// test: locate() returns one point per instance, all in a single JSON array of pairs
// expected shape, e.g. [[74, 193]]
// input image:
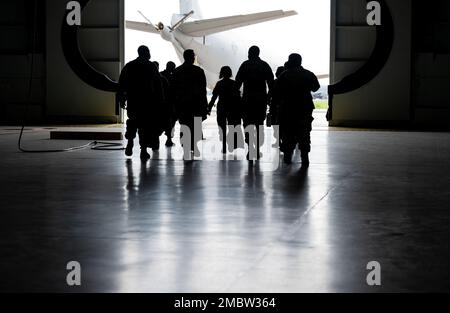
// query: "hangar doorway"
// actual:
[[307, 33], [332, 36]]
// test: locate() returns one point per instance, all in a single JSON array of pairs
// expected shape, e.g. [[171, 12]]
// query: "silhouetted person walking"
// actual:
[[168, 75], [167, 107], [296, 107], [257, 78], [228, 110], [274, 107], [190, 97], [140, 87]]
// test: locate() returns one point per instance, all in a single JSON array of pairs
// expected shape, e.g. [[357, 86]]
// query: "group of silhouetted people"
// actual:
[[156, 101]]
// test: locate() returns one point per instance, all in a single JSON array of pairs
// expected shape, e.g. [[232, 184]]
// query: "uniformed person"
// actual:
[[228, 110], [168, 74], [166, 106], [296, 108], [140, 91], [189, 86], [274, 107], [257, 78]]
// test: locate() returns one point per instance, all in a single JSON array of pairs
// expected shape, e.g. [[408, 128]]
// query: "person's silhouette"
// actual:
[[140, 92], [168, 74], [228, 109], [189, 83], [167, 108], [257, 78], [296, 107], [274, 107]]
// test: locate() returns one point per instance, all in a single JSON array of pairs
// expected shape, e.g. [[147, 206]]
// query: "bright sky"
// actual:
[[307, 33]]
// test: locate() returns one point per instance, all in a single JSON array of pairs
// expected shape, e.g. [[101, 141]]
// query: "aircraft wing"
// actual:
[[143, 27], [207, 27]]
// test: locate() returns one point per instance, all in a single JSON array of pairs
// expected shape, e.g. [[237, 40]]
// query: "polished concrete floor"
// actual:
[[228, 226]]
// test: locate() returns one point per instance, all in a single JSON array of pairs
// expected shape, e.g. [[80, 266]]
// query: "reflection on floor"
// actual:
[[228, 226]]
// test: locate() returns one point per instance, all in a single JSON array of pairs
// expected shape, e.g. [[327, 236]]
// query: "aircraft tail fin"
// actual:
[[187, 6], [207, 27]]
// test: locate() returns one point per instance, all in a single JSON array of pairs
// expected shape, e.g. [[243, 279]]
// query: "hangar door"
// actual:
[[367, 59], [431, 62], [82, 57]]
